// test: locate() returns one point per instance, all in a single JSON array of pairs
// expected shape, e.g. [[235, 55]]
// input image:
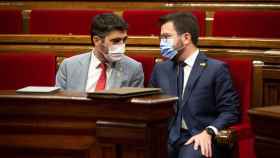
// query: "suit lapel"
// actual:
[[198, 67], [83, 71], [172, 75], [116, 75]]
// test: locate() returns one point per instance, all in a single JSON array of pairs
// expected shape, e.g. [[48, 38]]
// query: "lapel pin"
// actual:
[[203, 64]]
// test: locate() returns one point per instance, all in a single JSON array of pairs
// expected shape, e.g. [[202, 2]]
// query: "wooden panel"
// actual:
[[107, 151], [271, 85], [257, 91], [70, 125], [266, 147], [41, 153], [266, 85], [265, 123], [131, 152], [271, 92]]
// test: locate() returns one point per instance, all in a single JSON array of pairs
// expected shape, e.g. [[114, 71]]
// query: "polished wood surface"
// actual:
[[261, 43], [271, 111], [265, 123], [67, 45], [68, 124]]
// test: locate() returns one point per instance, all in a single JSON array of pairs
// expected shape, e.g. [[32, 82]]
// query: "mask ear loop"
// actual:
[[100, 55], [183, 46]]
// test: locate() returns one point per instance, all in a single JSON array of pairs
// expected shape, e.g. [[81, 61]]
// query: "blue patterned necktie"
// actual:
[[174, 134]]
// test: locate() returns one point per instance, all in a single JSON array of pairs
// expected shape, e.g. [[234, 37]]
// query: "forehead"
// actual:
[[116, 34], [168, 28]]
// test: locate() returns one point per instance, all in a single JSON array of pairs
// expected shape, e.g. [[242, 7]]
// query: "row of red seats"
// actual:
[[261, 24], [11, 21], [19, 70], [39, 69]]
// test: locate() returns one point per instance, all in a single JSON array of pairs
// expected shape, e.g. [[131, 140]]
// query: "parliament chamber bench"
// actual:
[[71, 125], [263, 51], [254, 82], [265, 123], [242, 131]]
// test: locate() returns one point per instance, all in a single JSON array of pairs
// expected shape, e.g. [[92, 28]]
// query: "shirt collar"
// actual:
[[94, 60], [191, 59]]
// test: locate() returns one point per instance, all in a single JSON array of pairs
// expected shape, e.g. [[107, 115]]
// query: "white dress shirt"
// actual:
[[187, 70], [94, 73]]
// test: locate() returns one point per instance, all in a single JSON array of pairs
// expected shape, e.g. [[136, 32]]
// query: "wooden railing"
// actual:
[[65, 45], [266, 87]]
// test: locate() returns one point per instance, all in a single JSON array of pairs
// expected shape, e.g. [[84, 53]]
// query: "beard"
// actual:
[[179, 48]]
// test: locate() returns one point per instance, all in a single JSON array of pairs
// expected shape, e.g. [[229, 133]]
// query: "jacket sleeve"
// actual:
[[61, 76], [227, 99], [138, 77], [153, 79]]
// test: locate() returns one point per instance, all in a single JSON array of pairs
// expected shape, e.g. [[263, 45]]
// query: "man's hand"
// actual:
[[203, 140]]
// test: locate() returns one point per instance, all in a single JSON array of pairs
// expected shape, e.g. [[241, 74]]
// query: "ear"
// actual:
[[95, 40], [187, 38]]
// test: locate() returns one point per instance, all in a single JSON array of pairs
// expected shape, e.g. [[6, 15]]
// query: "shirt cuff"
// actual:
[[214, 129]]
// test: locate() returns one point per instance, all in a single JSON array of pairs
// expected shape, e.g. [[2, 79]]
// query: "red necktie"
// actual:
[[101, 82]]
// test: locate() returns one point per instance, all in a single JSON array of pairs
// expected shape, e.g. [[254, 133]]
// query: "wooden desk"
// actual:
[[265, 123], [70, 125]]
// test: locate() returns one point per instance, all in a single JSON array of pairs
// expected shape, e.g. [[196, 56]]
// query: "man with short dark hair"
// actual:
[[106, 66], [207, 101]]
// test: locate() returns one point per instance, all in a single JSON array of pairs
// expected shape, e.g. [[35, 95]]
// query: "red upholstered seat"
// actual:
[[262, 24], [11, 22], [47, 21], [148, 63], [145, 22], [241, 72], [31, 69]]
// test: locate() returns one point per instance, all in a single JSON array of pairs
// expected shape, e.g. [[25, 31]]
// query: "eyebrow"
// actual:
[[119, 39], [165, 35]]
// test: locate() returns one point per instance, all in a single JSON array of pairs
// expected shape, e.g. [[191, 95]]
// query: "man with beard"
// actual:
[[207, 101], [106, 66]]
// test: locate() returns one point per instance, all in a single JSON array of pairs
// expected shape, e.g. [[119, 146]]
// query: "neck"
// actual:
[[187, 52], [99, 56]]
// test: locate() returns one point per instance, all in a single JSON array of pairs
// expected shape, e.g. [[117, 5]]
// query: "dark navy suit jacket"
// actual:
[[209, 97]]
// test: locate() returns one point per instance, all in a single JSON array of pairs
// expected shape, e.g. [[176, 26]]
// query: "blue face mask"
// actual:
[[166, 48]]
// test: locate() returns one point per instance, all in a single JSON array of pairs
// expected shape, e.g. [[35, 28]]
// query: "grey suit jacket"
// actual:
[[73, 73]]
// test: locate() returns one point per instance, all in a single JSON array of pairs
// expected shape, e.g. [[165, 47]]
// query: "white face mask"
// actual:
[[115, 52]]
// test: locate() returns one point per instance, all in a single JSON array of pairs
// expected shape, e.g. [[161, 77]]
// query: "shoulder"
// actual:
[[211, 66], [204, 60], [164, 65], [216, 63], [208, 62], [217, 67], [77, 58], [127, 61]]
